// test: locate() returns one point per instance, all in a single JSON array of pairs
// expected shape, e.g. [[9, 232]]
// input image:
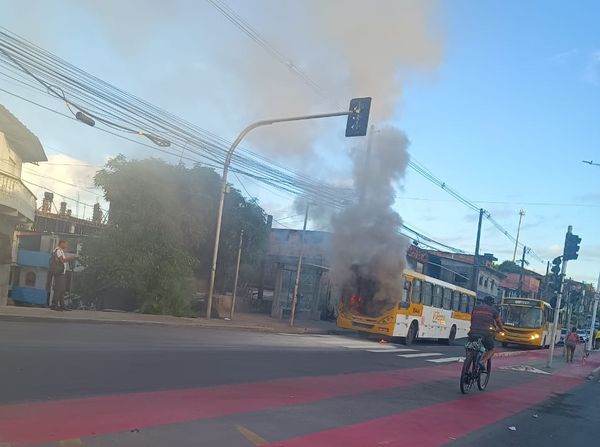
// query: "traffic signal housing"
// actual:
[[556, 276], [358, 119], [571, 250]]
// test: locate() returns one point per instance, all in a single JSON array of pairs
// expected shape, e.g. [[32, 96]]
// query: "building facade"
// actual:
[[33, 249], [317, 298], [18, 145], [527, 285], [459, 269]]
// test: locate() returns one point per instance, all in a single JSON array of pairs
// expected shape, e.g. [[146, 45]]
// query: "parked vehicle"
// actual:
[[583, 336], [563, 335]]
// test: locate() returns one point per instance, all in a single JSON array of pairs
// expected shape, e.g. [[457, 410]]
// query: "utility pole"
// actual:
[[237, 275], [521, 214], [299, 268], [263, 261], [521, 272], [563, 272], [591, 340], [365, 177], [476, 257], [358, 116], [546, 282]]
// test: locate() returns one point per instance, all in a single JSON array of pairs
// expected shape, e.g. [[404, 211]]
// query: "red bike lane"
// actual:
[[45, 422]]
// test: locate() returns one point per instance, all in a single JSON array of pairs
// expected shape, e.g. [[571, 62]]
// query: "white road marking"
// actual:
[[525, 368], [422, 354], [392, 350], [447, 360], [374, 347]]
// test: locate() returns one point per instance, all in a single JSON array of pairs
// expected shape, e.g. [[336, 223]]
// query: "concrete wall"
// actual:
[[10, 161], [6, 250]]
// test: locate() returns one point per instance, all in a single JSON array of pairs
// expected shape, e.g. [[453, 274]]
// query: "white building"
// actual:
[[17, 203]]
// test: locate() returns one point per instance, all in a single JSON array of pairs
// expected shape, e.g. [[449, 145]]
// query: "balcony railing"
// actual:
[[15, 196]]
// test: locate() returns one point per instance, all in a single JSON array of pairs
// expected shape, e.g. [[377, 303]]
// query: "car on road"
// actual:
[[563, 335], [583, 336]]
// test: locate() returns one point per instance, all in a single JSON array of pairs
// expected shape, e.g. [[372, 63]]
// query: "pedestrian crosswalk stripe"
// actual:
[[372, 346], [422, 354], [447, 360], [392, 350]]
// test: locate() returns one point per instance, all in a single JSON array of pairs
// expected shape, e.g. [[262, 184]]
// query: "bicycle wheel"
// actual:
[[484, 378], [466, 375]]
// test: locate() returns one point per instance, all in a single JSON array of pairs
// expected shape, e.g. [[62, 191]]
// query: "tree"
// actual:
[[509, 267], [161, 232]]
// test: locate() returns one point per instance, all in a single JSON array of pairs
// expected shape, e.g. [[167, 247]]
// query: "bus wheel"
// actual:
[[452, 336], [411, 334], [504, 344]]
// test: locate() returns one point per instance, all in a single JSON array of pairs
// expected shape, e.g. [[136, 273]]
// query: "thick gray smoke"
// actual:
[[367, 244]]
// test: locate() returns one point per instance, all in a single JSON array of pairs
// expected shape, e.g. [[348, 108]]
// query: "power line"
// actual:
[[499, 202], [230, 14], [443, 185], [62, 195], [238, 21], [103, 100], [83, 188]]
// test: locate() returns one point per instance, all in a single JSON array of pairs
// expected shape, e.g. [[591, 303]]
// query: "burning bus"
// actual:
[[425, 308]]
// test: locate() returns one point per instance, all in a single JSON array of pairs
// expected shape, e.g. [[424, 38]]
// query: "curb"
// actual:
[[263, 329], [593, 373]]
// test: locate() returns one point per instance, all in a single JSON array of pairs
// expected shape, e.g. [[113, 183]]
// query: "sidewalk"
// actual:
[[252, 322], [535, 362]]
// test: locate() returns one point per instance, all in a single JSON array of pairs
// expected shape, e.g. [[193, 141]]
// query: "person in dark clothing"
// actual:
[[484, 319], [58, 270]]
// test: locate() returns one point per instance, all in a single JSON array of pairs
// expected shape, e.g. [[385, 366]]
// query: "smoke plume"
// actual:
[[367, 244]]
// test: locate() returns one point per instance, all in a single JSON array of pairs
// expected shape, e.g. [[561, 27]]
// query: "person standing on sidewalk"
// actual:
[[571, 343], [58, 269]]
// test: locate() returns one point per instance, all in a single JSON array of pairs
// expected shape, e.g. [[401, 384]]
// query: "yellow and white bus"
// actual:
[[428, 308], [527, 322]]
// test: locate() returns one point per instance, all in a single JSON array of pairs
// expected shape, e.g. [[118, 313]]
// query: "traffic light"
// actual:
[[571, 250], [556, 276], [358, 120]]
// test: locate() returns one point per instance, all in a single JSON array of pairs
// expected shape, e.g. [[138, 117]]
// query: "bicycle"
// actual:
[[471, 372]]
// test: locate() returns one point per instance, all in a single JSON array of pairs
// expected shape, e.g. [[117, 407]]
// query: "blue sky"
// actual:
[[505, 114], [508, 117]]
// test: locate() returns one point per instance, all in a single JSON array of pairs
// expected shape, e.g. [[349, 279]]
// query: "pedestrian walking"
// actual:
[[58, 273], [571, 343]]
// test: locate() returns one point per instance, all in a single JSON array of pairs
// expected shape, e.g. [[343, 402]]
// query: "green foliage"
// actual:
[[161, 232], [509, 267]]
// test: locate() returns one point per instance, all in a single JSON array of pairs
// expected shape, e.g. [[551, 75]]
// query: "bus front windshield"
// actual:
[[521, 316]]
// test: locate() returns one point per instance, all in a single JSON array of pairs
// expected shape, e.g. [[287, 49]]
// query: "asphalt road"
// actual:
[[137, 385]]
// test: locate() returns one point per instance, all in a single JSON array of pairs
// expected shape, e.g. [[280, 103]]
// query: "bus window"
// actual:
[[437, 296], [447, 302], [471, 304], [464, 303], [405, 296], [427, 293], [455, 301], [416, 292]]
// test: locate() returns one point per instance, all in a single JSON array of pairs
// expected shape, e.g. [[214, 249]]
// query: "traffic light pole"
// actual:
[[238, 140], [563, 272]]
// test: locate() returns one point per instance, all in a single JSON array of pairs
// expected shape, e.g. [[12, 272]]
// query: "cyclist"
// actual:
[[484, 319]]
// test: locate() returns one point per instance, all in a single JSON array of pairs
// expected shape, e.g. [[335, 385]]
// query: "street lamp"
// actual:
[[356, 126]]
